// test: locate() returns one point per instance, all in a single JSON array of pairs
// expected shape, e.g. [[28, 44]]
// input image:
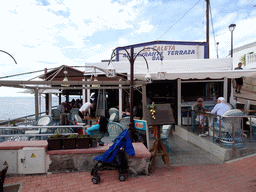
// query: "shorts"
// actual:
[[239, 81]]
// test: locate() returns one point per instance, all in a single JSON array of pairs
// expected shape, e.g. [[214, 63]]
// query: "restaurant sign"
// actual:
[[166, 51]]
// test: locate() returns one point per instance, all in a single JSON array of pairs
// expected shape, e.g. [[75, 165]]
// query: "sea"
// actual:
[[15, 107]]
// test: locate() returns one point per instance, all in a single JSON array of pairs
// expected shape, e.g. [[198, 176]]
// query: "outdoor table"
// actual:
[[89, 119]]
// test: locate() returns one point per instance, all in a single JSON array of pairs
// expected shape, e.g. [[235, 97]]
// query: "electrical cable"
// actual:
[[179, 20]]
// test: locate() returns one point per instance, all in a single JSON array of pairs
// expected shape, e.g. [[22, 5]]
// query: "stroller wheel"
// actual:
[[95, 180], [98, 177], [121, 177]]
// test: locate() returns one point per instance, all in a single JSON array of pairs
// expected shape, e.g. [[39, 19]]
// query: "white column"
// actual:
[[225, 88], [50, 104], [88, 94], [179, 100], [83, 91]]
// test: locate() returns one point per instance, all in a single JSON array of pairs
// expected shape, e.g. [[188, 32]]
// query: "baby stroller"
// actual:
[[114, 157]]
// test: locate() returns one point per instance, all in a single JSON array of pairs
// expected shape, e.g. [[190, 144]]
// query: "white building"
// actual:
[[250, 51]]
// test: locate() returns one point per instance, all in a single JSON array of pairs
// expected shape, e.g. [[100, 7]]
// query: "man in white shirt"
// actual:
[[220, 108], [84, 110]]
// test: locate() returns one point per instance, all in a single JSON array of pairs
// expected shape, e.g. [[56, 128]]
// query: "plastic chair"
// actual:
[[74, 111], [56, 115], [114, 130], [193, 117], [114, 111], [125, 122], [64, 130], [41, 121], [165, 133], [112, 117], [76, 117], [253, 121], [231, 106], [226, 129]]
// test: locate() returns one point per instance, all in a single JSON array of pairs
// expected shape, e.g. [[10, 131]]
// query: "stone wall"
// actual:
[[63, 161], [85, 162], [249, 84], [71, 162]]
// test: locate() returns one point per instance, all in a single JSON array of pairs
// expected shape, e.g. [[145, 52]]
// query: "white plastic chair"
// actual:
[[165, 133]]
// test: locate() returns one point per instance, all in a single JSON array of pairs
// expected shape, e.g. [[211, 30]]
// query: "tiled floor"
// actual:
[[229, 177], [185, 153]]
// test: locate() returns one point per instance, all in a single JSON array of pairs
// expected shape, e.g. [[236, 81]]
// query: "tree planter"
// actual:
[[69, 143], [83, 142], [54, 143]]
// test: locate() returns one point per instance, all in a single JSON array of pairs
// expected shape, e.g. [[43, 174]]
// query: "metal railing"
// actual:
[[24, 119], [227, 126], [18, 133], [236, 97]]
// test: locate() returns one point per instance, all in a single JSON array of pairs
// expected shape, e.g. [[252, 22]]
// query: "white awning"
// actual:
[[183, 69], [203, 74]]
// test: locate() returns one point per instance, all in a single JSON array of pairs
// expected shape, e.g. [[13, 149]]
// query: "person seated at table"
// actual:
[[67, 107], [200, 108], [220, 108], [61, 107], [126, 113], [84, 110], [101, 125]]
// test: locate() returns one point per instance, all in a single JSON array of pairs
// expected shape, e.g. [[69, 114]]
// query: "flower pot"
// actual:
[[68, 143], [83, 142], [54, 143]]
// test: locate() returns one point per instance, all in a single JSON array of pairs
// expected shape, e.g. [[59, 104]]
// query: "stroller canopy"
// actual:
[[122, 141]]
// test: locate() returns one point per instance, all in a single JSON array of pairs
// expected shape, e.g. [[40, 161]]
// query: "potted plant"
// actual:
[[83, 141], [69, 142], [55, 142], [94, 140]]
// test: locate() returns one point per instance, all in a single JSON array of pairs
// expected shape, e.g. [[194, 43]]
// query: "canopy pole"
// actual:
[[144, 101], [36, 103], [225, 88], [179, 101]]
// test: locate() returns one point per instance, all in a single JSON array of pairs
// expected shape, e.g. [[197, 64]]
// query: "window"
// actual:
[[209, 91]]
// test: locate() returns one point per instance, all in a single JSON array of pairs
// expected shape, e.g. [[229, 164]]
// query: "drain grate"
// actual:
[[12, 187]]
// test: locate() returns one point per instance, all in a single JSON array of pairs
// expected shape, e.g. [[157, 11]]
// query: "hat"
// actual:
[[222, 99]]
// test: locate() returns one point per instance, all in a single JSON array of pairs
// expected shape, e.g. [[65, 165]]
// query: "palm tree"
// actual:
[[243, 60]]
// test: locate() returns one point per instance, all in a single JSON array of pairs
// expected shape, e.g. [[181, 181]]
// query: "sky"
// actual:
[[48, 33]]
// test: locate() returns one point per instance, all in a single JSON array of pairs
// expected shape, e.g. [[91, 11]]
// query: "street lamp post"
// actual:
[[217, 44], [9, 55], [231, 29], [110, 72]]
